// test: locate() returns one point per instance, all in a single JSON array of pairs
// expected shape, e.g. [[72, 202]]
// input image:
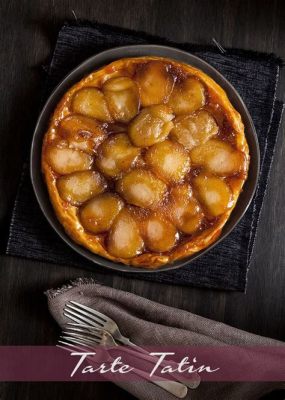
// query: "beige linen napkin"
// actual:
[[150, 323]]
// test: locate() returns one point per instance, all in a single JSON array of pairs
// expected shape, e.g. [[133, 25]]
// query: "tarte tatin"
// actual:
[[144, 160]]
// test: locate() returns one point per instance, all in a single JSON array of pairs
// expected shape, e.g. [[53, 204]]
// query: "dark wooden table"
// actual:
[[28, 31]]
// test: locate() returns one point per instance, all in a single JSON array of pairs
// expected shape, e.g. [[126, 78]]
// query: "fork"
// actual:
[[83, 338], [80, 313]]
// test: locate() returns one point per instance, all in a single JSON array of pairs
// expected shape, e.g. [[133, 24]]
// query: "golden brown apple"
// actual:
[[124, 239], [65, 161], [169, 160], [159, 234], [78, 187], [155, 83], [213, 193], [184, 209], [141, 188], [194, 129], [218, 157], [82, 133], [99, 213], [187, 96], [116, 155], [122, 98], [90, 101], [151, 126]]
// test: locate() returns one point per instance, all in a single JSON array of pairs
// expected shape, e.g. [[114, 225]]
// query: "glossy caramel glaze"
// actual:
[[144, 161]]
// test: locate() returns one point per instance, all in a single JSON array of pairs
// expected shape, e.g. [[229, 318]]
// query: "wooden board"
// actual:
[[28, 32]]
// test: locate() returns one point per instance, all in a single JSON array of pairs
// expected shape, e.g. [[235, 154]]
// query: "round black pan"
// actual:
[[107, 57]]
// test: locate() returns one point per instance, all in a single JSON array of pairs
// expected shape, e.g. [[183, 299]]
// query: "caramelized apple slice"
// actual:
[[213, 193], [169, 160], [122, 97], [82, 132], [195, 129], [184, 209], [155, 83], [218, 156], [79, 187], [159, 234], [187, 96], [116, 154], [124, 239], [99, 213], [91, 102], [141, 188], [65, 161], [151, 126]]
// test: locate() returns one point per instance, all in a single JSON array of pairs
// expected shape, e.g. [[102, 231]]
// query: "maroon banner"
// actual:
[[215, 363]]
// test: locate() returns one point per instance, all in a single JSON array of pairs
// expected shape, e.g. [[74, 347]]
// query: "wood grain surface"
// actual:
[[28, 31]]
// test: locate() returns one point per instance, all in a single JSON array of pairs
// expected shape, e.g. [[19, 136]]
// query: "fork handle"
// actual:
[[177, 389], [193, 384]]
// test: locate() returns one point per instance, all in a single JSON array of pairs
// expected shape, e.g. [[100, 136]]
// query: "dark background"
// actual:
[[28, 30]]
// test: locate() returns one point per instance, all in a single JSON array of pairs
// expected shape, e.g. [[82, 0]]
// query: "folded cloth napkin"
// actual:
[[254, 75], [137, 317]]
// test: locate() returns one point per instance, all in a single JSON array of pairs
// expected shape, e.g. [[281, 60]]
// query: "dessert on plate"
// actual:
[[144, 160]]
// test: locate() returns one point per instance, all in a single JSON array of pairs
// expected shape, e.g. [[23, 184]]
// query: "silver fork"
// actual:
[[82, 314], [81, 337]]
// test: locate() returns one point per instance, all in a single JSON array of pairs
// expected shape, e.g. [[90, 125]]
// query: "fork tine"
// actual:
[[83, 335], [79, 318], [80, 325], [92, 311], [87, 332], [79, 311], [81, 342], [71, 317], [87, 328], [84, 341], [69, 345], [65, 346]]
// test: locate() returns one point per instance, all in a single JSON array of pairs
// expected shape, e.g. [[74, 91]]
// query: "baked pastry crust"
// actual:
[[231, 132]]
